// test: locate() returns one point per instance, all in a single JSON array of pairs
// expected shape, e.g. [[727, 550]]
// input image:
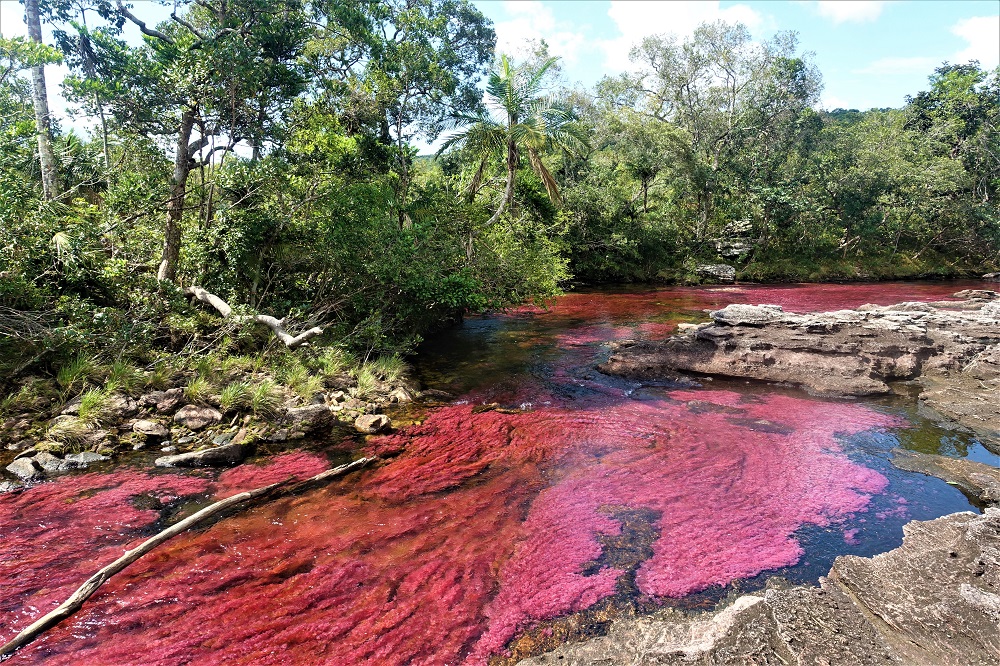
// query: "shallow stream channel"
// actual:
[[527, 500]]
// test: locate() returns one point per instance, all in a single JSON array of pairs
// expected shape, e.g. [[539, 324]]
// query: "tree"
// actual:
[[732, 95], [43, 120], [215, 75], [404, 65], [519, 119]]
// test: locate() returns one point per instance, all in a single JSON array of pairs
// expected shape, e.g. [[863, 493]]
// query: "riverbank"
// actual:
[[214, 411]]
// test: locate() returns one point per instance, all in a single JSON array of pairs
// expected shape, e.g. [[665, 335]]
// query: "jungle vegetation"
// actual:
[[265, 150]]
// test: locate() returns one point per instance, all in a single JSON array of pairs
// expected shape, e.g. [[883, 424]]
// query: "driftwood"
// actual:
[[276, 325], [84, 592]]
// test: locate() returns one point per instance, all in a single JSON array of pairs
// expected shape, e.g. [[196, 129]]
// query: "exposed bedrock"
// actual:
[[952, 349], [933, 600]]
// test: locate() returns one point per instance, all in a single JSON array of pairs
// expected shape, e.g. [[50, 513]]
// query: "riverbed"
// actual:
[[537, 503]]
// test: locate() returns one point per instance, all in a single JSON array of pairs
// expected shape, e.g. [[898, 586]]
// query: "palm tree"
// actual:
[[517, 118]]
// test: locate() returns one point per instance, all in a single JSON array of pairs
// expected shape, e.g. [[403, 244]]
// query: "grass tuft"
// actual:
[[265, 398], [235, 396]]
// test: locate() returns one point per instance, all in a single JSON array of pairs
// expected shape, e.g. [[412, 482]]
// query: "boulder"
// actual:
[[220, 456], [81, 460], [309, 417], [992, 277], [120, 407], [723, 273], [50, 463], [26, 469], [371, 424], [747, 315], [164, 402], [400, 395], [196, 417], [976, 294], [9, 487], [151, 429]]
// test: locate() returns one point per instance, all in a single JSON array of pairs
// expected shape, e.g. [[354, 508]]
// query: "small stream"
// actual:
[[539, 503]]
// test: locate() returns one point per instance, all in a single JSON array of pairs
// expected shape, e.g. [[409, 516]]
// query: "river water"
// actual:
[[538, 503]]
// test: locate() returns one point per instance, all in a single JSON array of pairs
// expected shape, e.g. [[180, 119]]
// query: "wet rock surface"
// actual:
[[952, 349], [979, 482], [933, 600], [219, 456]]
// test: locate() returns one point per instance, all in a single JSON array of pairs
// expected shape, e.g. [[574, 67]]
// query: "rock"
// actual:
[[187, 439], [165, 402], [196, 417], [72, 408], [224, 438], [280, 435], [85, 459], [9, 487], [120, 407], [355, 404], [976, 294], [723, 273], [220, 456], [25, 469], [954, 354], [168, 449], [400, 395], [747, 315], [980, 482], [992, 277], [337, 396], [50, 463], [308, 418], [372, 423], [151, 429], [933, 600]]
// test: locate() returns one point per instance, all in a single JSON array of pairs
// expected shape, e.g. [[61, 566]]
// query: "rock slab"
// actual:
[[219, 456], [933, 600]]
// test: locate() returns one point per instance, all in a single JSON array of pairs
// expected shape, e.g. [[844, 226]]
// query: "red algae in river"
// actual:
[[481, 526], [54, 535]]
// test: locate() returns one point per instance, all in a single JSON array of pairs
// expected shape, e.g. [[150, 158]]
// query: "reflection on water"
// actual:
[[489, 533]]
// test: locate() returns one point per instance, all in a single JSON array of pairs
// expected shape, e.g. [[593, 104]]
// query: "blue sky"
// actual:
[[871, 54]]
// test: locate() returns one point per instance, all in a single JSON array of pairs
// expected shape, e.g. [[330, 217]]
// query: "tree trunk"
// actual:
[[175, 208], [508, 194], [43, 123]]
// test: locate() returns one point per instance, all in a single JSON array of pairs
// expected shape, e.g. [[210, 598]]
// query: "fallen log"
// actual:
[[85, 591], [277, 326]]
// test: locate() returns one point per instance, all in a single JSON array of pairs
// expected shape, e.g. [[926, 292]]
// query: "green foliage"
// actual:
[[366, 380], [235, 396], [389, 368], [198, 390], [93, 404], [265, 398]]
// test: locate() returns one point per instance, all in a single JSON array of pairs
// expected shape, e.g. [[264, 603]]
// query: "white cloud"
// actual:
[[890, 66], [831, 102], [636, 20], [534, 21], [983, 36], [856, 11]]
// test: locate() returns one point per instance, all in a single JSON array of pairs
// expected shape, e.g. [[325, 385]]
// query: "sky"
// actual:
[[871, 53]]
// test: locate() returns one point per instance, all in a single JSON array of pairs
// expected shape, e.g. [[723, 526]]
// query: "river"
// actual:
[[537, 504]]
